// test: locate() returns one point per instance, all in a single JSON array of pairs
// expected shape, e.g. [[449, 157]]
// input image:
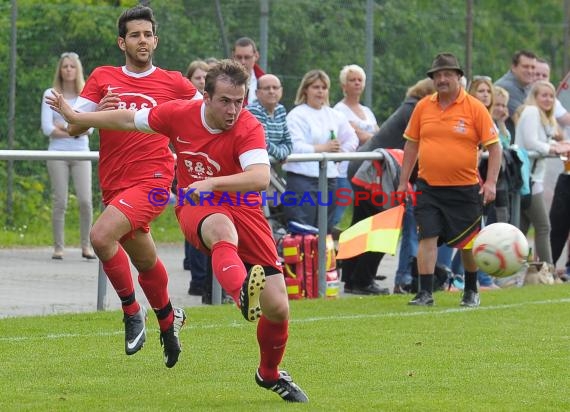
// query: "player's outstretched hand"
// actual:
[[109, 102], [58, 104]]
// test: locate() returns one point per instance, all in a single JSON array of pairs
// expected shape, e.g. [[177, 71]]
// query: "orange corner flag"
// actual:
[[378, 233]]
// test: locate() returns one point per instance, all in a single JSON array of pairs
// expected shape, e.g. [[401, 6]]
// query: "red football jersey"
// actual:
[[203, 152], [126, 157]]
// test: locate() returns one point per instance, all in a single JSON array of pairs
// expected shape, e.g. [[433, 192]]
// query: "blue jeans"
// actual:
[[304, 197], [196, 262], [408, 247], [457, 266], [342, 183]]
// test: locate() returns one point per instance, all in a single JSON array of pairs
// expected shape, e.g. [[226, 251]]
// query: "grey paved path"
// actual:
[[31, 283]]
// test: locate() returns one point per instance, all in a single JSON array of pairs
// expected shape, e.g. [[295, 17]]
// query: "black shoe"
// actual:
[[169, 339], [470, 299], [284, 387], [135, 331], [206, 298], [250, 291], [371, 289], [423, 298], [195, 290]]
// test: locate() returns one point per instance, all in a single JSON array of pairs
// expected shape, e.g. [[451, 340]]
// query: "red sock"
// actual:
[[228, 268], [272, 339], [154, 283], [118, 270]]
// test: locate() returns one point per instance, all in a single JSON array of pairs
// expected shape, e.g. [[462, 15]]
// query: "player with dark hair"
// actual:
[[222, 156], [131, 163]]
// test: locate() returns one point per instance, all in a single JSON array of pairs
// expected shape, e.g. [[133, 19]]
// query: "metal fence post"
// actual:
[[323, 224]]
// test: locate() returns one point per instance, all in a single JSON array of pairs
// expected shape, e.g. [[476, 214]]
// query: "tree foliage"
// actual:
[[302, 35]]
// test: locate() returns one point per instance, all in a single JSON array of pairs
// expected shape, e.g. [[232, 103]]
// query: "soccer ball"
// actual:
[[500, 249]]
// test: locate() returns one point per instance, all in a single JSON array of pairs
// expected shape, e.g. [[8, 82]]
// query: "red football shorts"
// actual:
[[141, 204], [255, 240]]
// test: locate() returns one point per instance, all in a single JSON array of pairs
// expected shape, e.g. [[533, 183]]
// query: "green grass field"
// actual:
[[350, 354]]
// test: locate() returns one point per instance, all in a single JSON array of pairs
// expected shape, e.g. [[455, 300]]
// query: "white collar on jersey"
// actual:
[[203, 117], [133, 74]]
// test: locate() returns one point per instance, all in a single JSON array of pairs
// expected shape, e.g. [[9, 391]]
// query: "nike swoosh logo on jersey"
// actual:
[[135, 341], [110, 89], [178, 139], [227, 267], [122, 201]]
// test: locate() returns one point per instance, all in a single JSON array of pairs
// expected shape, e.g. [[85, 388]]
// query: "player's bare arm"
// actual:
[[109, 102], [112, 119], [253, 179]]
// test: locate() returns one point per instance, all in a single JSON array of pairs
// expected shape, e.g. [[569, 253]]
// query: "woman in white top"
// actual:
[[314, 127], [352, 81], [535, 131], [69, 81]]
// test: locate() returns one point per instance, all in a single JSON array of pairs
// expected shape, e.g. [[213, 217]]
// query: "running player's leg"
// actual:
[[272, 336], [219, 235], [213, 230], [111, 226], [153, 279], [257, 247]]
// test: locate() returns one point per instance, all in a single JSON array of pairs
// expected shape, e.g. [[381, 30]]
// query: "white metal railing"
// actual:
[[322, 158]]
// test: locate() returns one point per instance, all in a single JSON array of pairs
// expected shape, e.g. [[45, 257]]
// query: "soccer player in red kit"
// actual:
[[131, 163], [221, 156]]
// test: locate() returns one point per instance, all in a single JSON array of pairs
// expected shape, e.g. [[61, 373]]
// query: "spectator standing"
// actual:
[[245, 52], [132, 165], [229, 144], [196, 73], [542, 72], [352, 81], [69, 81], [449, 208], [482, 88], [315, 127], [273, 116], [500, 113], [536, 129], [560, 216], [517, 81]]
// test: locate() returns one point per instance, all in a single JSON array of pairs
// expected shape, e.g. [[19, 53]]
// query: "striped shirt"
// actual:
[[277, 136]]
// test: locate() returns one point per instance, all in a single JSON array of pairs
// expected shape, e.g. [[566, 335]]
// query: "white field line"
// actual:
[[236, 324]]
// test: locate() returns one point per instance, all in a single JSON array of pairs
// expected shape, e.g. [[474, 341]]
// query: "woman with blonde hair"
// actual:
[[482, 88], [69, 81], [196, 73], [500, 114], [314, 127], [535, 131]]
